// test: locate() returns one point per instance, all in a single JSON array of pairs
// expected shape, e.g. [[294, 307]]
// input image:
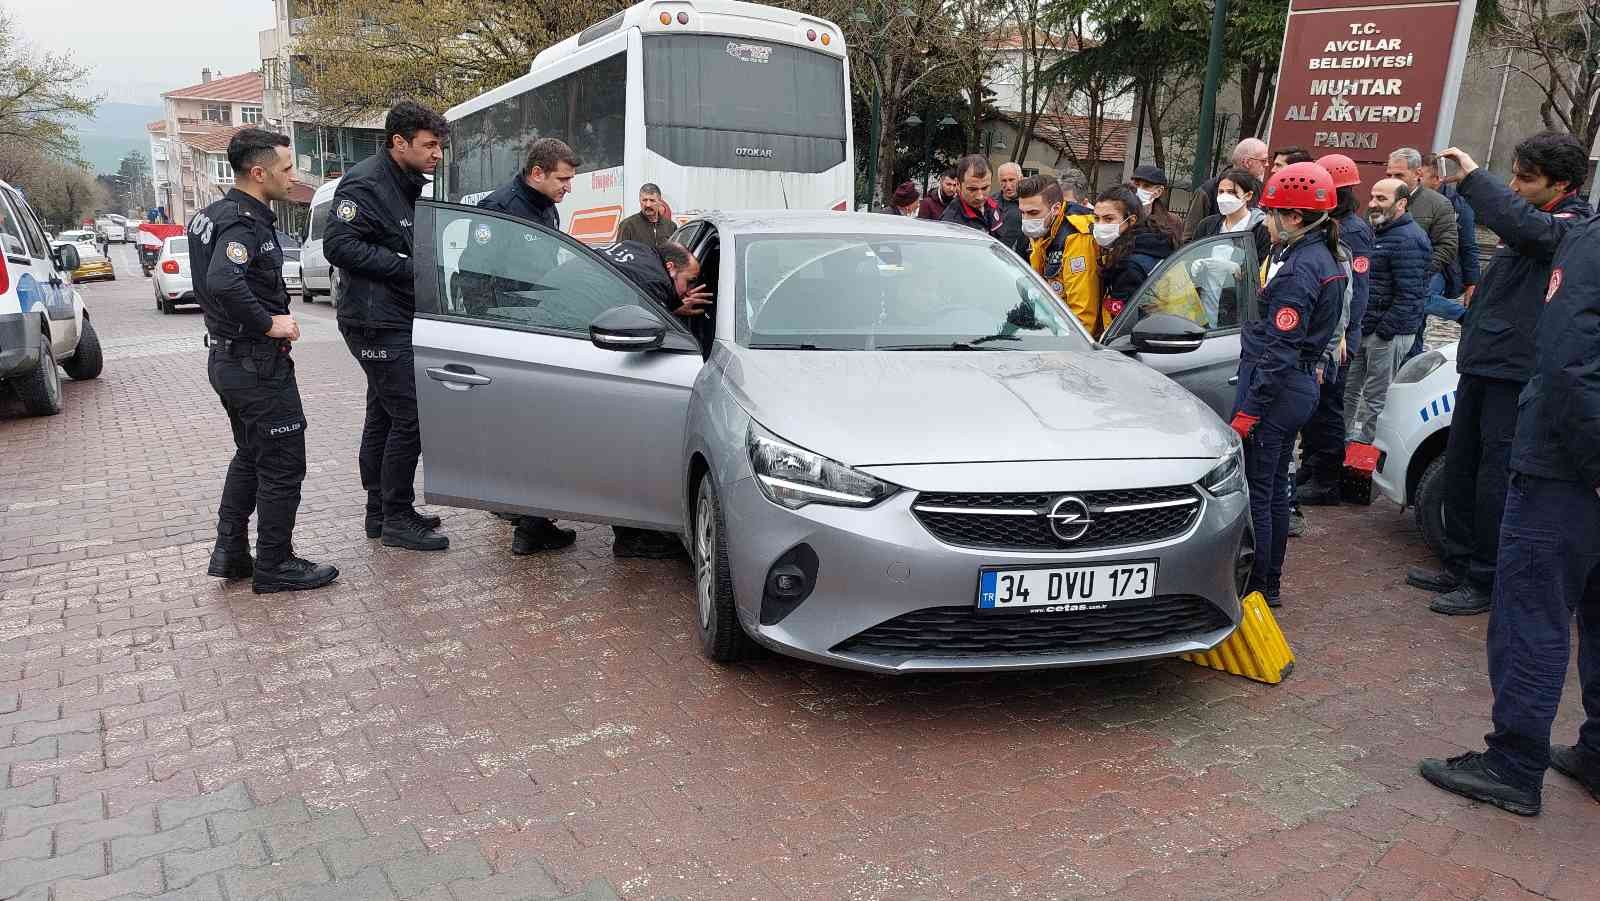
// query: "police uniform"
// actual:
[[369, 239], [237, 268], [1302, 302], [1322, 441]]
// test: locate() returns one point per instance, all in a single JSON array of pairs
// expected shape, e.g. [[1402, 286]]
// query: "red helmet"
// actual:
[[1301, 186], [1342, 168]]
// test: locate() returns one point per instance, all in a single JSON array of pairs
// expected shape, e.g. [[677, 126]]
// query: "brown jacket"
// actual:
[[635, 228]]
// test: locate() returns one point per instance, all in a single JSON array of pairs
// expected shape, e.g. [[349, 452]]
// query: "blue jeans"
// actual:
[[1266, 462], [1437, 305], [1549, 569]]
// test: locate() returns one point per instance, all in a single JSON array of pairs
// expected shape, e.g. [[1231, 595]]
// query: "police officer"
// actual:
[[1549, 565], [1282, 352], [545, 180], [1495, 357], [238, 276], [369, 240], [1322, 441]]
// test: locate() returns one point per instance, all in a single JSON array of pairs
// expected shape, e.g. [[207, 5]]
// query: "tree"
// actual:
[[1037, 79], [61, 192], [1092, 78], [360, 56], [1561, 40], [38, 100], [1251, 49], [134, 171]]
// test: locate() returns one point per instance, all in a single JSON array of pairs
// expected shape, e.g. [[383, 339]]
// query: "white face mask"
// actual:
[[1227, 204], [1107, 233], [1035, 228], [1145, 196]]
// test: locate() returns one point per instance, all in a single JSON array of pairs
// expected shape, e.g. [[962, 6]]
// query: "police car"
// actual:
[[1411, 436], [42, 319]]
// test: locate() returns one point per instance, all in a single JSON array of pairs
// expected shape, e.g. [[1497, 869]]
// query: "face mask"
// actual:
[[1145, 196], [1107, 233], [1034, 228], [1227, 204]]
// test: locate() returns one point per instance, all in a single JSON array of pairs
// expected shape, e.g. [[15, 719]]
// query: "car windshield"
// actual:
[[875, 292]]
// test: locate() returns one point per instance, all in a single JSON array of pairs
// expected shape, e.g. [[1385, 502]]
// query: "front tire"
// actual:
[[87, 361], [1428, 506], [40, 389], [722, 637]]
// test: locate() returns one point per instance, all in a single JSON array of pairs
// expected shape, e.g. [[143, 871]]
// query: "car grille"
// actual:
[[1019, 521], [963, 632]]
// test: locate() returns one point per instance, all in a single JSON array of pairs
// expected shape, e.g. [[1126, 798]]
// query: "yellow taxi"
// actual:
[[93, 264]]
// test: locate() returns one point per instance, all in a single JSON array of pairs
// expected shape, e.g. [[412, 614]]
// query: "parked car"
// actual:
[[150, 237], [1411, 436], [171, 276], [895, 450], [316, 275], [92, 264], [114, 231], [291, 263], [43, 321]]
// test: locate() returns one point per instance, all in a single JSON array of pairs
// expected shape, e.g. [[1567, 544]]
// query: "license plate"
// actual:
[[1066, 589]]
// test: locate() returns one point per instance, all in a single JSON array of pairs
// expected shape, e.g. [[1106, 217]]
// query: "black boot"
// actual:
[[1316, 493], [408, 530], [231, 562], [1468, 600], [1470, 777], [535, 533], [293, 574], [1577, 763], [374, 520], [1440, 580]]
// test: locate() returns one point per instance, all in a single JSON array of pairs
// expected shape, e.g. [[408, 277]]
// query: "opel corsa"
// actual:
[[890, 448]]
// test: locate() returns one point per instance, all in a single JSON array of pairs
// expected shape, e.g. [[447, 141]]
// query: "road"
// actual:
[[472, 725]]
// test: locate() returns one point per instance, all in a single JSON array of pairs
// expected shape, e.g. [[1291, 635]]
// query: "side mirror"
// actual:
[[66, 257], [627, 329], [1164, 333]]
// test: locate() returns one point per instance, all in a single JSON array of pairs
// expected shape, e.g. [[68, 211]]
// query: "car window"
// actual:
[[1207, 282], [866, 292], [38, 241], [319, 220], [505, 272], [176, 246], [16, 247]]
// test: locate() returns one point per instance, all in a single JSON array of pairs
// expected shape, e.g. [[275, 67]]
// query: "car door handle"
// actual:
[[1233, 380], [459, 378]]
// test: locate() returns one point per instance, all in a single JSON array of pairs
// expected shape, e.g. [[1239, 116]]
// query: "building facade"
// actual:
[[189, 144]]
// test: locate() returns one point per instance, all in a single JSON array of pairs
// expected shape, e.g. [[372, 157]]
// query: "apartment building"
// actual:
[[189, 144]]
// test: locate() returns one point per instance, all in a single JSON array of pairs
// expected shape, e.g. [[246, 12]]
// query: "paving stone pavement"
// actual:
[[471, 725]]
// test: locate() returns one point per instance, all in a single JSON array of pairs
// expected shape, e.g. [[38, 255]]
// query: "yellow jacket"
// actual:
[[1068, 259]]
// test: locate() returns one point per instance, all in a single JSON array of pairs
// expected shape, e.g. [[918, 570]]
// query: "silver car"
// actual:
[[890, 448]]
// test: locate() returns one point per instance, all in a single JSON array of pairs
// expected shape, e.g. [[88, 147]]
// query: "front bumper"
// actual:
[[881, 567], [19, 343]]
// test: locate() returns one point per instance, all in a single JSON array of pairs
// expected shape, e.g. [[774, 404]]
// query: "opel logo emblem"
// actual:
[[1069, 518]]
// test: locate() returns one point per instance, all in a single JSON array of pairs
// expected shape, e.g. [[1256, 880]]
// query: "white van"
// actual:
[[316, 276]]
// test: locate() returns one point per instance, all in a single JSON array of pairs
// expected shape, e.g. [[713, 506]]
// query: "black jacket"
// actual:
[[1497, 333], [514, 266], [1558, 414], [520, 200], [1398, 289], [369, 240], [986, 218], [1120, 282], [643, 265], [237, 266], [1011, 227]]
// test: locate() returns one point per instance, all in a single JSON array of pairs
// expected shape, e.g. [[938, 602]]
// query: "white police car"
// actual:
[[42, 319], [1411, 436]]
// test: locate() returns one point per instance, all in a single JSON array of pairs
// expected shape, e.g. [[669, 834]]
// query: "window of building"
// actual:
[[219, 113], [250, 115], [221, 171]]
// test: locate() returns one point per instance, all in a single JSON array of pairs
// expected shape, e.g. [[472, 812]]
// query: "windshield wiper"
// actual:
[[987, 338], [789, 347], [957, 345]]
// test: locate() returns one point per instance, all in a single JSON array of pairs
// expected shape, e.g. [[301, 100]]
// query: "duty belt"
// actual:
[[243, 345]]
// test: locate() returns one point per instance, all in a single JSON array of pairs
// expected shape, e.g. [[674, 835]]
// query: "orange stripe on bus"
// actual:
[[597, 225]]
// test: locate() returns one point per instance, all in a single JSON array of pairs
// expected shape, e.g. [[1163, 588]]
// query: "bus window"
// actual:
[[730, 103]]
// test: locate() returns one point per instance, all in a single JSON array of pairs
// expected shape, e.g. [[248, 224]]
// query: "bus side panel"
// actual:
[[691, 192], [594, 209]]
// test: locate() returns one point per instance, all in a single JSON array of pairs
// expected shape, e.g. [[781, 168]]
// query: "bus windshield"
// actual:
[[736, 103]]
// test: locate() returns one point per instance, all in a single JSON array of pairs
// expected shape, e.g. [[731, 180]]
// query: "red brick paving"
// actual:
[[553, 712]]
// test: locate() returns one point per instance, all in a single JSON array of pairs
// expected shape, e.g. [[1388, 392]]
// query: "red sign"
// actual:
[[1367, 77]]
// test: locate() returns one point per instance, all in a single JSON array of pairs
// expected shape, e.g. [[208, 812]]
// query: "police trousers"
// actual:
[[255, 382], [1322, 440], [391, 441], [1549, 571], [1475, 472], [1267, 455]]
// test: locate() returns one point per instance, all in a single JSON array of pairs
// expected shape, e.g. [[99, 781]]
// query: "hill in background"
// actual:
[[116, 129]]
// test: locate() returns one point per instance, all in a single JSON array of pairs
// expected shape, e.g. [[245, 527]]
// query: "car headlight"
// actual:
[[793, 477], [1226, 477], [1419, 367]]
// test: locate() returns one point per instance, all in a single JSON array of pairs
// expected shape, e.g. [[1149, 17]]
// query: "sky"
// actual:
[[139, 48]]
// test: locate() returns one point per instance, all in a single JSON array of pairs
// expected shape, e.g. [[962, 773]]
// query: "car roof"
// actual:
[[823, 222]]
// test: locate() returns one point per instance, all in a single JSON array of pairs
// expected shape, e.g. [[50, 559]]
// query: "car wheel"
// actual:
[[722, 638], [40, 389], [333, 288], [87, 360], [1429, 506]]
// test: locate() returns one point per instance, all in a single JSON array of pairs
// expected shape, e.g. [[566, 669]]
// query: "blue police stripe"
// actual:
[[1424, 412]]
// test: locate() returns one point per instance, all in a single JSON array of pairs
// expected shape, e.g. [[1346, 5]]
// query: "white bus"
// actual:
[[724, 105]]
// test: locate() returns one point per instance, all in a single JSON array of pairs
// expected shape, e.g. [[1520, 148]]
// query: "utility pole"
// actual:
[[1208, 95]]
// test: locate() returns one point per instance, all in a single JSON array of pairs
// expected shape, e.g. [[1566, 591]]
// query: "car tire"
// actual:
[[333, 288], [40, 390], [168, 307], [87, 360], [1428, 506], [722, 637]]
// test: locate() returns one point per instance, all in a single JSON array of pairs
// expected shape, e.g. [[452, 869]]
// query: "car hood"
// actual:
[[866, 408]]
